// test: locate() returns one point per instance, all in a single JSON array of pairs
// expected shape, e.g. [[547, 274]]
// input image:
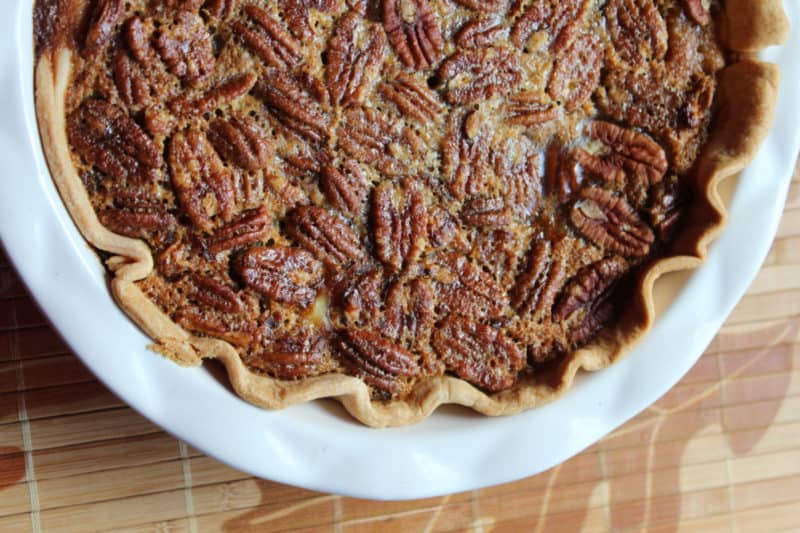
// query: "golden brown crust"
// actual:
[[749, 26], [748, 87]]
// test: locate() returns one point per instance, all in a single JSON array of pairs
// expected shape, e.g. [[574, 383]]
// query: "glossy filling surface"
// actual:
[[394, 190]]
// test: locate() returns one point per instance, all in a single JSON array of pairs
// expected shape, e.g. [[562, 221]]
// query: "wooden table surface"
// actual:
[[720, 452]]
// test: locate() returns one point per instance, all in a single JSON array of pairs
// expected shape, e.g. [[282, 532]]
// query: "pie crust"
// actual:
[[745, 99]]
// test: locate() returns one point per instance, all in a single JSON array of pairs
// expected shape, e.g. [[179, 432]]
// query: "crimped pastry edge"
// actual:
[[747, 95]]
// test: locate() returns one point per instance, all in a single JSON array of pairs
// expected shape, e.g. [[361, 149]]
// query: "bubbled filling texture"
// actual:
[[394, 190]]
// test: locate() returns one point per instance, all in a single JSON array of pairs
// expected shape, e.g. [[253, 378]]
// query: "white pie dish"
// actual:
[[316, 445]]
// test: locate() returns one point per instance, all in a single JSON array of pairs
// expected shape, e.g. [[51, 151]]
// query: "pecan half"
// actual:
[[295, 104], [376, 139], [146, 72], [413, 98], [325, 235], [593, 322], [637, 30], [270, 41], [198, 321], [216, 312], [413, 32], [399, 222], [360, 296], [486, 212], [214, 294], [409, 314], [220, 9], [186, 49], [610, 222], [139, 35], [583, 302], [600, 166], [138, 222], [286, 275], [251, 188], [518, 172], [103, 21], [108, 139], [465, 150], [561, 173], [478, 353], [350, 68], [291, 356], [537, 287], [218, 96], [698, 10], [134, 87], [303, 165], [466, 289], [530, 108], [478, 74], [487, 6], [346, 189], [576, 72], [381, 364], [481, 32], [560, 19], [248, 228], [630, 155], [202, 182], [296, 14], [241, 141]]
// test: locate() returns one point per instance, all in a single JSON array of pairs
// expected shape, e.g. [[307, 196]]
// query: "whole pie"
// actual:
[[399, 203]]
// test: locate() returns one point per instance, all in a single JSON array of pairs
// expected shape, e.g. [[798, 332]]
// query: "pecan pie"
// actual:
[[399, 203]]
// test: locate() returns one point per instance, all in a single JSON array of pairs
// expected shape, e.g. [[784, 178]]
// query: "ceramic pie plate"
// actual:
[[317, 445]]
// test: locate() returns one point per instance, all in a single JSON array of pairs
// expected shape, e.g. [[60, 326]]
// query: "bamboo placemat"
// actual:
[[720, 452]]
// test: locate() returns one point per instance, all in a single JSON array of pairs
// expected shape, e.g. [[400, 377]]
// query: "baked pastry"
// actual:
[[400, 203]]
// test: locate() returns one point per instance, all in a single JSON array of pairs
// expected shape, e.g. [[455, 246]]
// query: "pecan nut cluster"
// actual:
[[394, 190]]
